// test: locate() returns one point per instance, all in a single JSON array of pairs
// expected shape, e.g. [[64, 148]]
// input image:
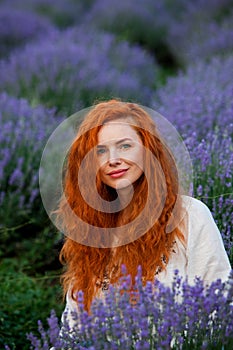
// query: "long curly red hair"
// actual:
[[86, 265]]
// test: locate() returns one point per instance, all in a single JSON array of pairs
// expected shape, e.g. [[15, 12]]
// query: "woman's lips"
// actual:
[[118, 173]]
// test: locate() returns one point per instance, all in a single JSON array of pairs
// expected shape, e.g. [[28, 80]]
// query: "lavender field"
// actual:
[[57, 57]]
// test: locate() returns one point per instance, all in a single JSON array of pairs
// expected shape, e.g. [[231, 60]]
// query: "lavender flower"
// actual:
[[200, 319], [62, 12], [24, 132], [134, 20], [199, 103], [72, 69], [18, 27], [178, 30], [212, 159], [200, 37], [200, 99]]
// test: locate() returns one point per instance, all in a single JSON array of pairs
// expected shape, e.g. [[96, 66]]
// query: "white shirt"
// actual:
[[203, 254]]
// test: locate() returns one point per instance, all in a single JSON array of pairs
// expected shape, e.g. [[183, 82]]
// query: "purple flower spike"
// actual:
[[71, 69], [24, 133], [200, 319]]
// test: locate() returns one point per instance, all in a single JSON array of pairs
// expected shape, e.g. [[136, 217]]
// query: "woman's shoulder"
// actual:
[[199, 219], [194, 206], [201, 223]]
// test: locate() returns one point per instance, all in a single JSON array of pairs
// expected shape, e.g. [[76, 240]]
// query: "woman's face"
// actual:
[[119, 154]]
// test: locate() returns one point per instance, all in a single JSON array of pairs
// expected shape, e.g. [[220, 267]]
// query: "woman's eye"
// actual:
[[125, 146], [101, 151]]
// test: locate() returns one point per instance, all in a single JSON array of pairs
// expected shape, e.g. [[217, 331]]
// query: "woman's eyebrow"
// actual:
[[119, 141]]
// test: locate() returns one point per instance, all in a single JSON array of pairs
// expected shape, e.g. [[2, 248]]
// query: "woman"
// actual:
[[123, 204]]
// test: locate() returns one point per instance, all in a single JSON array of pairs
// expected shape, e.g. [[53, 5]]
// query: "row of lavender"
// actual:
[[58, 59], [150, 317], [187, 30]]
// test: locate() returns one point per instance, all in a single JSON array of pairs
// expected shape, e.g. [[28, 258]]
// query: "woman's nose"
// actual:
[[114, 161], [114, 158]]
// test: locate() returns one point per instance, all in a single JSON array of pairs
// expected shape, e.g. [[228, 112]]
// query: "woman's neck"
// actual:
[[125, 196]]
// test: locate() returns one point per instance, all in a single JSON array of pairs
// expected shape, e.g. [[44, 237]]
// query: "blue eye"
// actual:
[[101, 151], [125, 146]]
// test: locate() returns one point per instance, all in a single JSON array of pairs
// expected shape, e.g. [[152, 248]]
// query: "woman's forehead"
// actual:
[[116, 130]]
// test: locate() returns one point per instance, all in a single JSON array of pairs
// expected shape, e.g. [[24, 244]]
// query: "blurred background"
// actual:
[[57, 57]]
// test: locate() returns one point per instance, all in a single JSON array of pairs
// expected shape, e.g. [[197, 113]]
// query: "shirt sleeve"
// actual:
[[206, 255]]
